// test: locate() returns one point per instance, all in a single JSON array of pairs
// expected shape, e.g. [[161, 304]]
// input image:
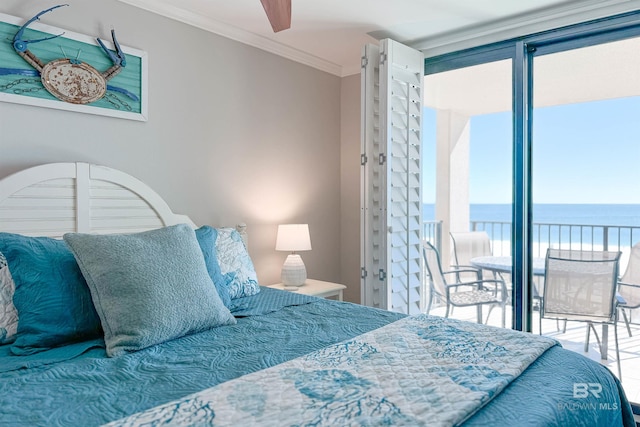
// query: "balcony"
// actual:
[[574, 143], [564, 236]]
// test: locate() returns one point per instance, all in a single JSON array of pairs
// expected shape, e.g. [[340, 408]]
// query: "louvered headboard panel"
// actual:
[[113, 206], [44, 209], [53, 199]]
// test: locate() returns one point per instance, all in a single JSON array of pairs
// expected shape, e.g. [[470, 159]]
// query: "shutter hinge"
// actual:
[[364, 61], [382, 159], [383, 58], [382, 274], [363, 159], [363, 273]]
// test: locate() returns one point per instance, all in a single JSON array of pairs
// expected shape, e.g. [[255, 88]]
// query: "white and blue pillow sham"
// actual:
[[235, 264], [8, 312], [66, 291]]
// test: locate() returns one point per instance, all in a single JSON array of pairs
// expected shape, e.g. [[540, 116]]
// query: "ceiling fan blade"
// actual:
[[279, 13]]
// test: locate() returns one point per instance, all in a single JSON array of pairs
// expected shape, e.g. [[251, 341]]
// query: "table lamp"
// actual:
[[293, 237]]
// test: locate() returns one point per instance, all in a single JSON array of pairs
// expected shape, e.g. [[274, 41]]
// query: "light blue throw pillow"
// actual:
[[235, 264], [206, 236], [148, 287], [51, 297]]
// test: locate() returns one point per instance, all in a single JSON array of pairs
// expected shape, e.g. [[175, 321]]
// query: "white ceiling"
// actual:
[[329, 34], [592, 73]]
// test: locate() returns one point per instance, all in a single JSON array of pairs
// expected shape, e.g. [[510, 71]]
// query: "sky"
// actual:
[[581, 153]]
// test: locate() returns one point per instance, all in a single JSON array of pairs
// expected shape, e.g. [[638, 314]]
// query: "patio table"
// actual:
[[502, 264]]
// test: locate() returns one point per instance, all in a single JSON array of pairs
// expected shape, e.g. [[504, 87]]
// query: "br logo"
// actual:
[[582, 390]]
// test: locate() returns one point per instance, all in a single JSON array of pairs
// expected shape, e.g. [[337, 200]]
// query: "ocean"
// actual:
[[582, 214]]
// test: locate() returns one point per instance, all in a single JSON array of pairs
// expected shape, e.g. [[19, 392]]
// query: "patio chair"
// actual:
[[461, 294], [629, 285], [581, 286], [471, 244], [467, 245]]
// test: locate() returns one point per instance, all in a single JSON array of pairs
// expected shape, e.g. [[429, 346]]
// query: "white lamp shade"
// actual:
[[293, 237]]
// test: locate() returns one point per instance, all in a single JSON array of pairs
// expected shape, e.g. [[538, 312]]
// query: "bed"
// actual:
[[166, 324]]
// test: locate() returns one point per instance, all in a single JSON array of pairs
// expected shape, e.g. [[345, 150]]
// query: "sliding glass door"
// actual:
[[572, 161], [586, 188], [468, 189]]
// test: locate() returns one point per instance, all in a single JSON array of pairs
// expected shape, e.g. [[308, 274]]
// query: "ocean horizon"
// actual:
[[555, 213]]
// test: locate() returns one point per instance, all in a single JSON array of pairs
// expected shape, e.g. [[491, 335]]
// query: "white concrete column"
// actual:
[[452, 176]]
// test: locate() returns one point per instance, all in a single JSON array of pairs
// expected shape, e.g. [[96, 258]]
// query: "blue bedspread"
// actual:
[[273, 327], [545, 392], [415, 369], [268, 301]]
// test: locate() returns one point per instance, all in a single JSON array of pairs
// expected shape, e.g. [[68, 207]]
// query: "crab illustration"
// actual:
[[69, 80]]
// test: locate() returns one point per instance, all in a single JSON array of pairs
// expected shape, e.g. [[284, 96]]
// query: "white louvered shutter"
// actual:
[[391, 196], [372, 203]]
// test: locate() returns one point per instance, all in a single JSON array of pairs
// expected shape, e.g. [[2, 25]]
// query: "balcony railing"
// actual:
[[432, 232], [584, 237], [574, 236], [546, 235]]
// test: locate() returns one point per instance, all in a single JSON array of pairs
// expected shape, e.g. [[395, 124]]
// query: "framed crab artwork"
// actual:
[[48, 67]]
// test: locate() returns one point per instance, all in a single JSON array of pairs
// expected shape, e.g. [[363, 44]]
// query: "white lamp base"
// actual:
[[294, 273]]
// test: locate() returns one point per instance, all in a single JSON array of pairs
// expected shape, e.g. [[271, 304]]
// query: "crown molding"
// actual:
[[237, 34], [472, 36], [523, 25]]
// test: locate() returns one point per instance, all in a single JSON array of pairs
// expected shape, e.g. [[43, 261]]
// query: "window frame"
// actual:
[[521, 51]]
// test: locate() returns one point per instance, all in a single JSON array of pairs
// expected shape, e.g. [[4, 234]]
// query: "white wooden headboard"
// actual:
[[57, 198]]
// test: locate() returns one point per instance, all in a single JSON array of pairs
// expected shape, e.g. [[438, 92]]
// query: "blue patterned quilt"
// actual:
[[80, 386], [416, 369]]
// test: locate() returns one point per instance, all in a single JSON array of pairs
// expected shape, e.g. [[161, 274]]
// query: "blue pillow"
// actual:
[[148, 287], [235, 264], [206, 236], [51, 297]]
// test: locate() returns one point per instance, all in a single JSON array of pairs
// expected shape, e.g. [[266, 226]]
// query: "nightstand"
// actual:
[[316, 288]]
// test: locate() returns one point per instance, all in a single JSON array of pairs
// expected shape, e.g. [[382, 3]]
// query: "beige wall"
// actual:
[[350, 187], [235, 134]]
